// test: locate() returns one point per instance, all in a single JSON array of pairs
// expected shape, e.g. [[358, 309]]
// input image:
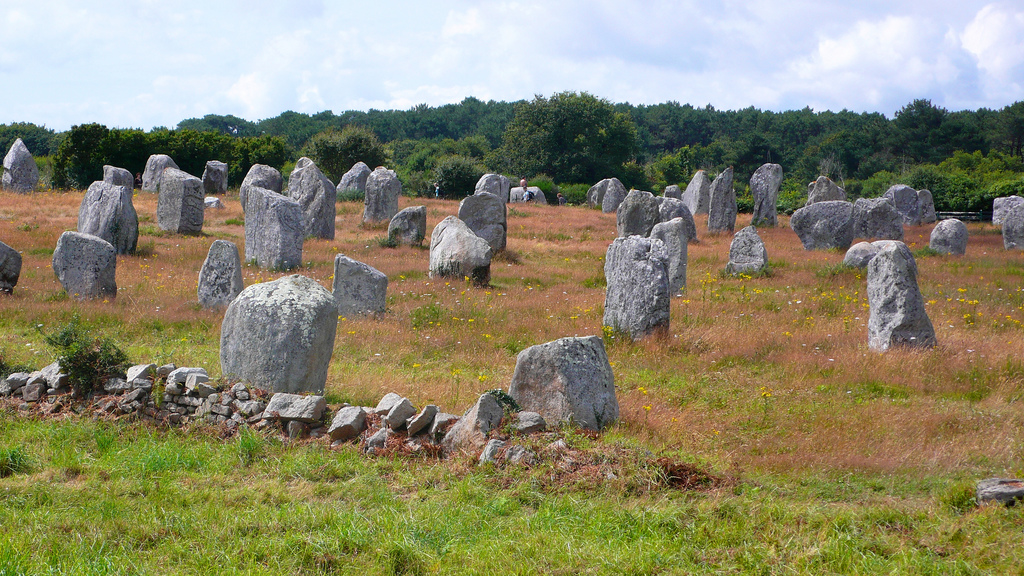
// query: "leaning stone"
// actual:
[[860, 254], [949, 237], [317, 197], [85, 266], [387, 403], [897, 314], [440, 425], [279, 335], [456, 252], [107, 212], [697, 195], [283, 406], [355, 178], [260, 176], [567, 380], [399, 414], [10, 268], [722, 208], [215, 177], [1005, 491], [421, 421], [118, 176], [141, 371], [764, 187], [1013, 228], [824, 225], [154, 171], [382, 191], [220, 278], [1001, 205], [673, 191], [905, 199], [637, 214], [180, 205], [496, 184], [409, 226], [487, 216], [529, 422], [491, 451], [358, 288], [674, 235], [273, 230], [20, 171], [926, 206], [747, 254], [180, 375], [637, 295], [876, 218], [469, 434], [348, 423], [596, 194], [824, 190]]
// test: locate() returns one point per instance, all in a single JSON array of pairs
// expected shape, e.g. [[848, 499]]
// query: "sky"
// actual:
[[142, 63]]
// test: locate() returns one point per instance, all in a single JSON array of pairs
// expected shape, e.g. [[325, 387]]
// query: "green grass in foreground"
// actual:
[[99, 498]]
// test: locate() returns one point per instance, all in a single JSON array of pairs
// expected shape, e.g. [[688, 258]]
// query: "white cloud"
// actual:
[[995, 38]]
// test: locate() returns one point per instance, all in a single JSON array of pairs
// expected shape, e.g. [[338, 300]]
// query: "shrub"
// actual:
[[335, 152], [87, 360], [575, 194], [457, 176]]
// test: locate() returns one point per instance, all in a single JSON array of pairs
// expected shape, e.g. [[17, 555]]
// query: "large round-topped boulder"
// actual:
[[355, 178], [382, 191], [456, 252], [671, 208], [85, 265], [487, 216], [949, 237], [496, 184], [107, 212], [824, 225], [180, 206], [155, 170], [317, 197], [409, 226], [747, 254], [279, 335]]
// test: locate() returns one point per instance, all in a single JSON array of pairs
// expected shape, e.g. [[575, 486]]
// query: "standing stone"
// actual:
[[20, 171], [487, 217], [674, 234], [155, 170], [469, 434], [672, 191], [671, 208], [905, 199], [637, 299], [118, 176], [1001, 205], [180, 205], [496, 184], [273, 230], [824, 225], [220, 278], [824, 190], [317, 197], [637, 214], [949, 237], [456, 252], [279, 335], [1013, 228], [747, 254], [597, 193], [722, 208], [926, 206], [897, 314], [107, 212], [569, 381], [764, 186], [876, 218], [697, 195], [260, 176], [355, 178], [517, 195], [409, 226], [85, 266], [358, 288], [614, 194], [382, 191], [860, 254], [10, 269], [215, 177]]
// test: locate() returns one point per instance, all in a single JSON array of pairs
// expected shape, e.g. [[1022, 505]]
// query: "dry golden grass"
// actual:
[[765, 373]]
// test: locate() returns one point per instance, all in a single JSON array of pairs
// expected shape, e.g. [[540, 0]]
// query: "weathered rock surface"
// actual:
[[876, 218], [107, 212], [1013, 228], [355, 178], [220, 278], [273, 230], [20, 172], [897, 314], [697, 195], [492, 451], [824, 225], [487, 217], [10, 268], [409, 226], [348, 423], [926, 206], [317, 197], [528, 422], [722, 207], [824, 190], [1006, 491], [673, 191], [517, 195], [399, 414], [279, 335], [382, 191], [288, 407], [1001, 205], [637, 297], [764, 186], [181, 375], [421, 421], [118, 176], [212, 202], [387, 402], [674, 235], [260, 176], [567, 380], [155, 170], [747, 254], [358, 288], [180, 207], [456, 252], [469, 434], [85, 266], [905, 199], [949, 237], [860, 254], [496, 184], [670, 208], [597, 193], [215, 177], [637, 214]]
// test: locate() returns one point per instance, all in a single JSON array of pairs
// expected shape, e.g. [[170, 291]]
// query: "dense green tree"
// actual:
[[79, 160], [40, 140], [335, 152], [457, 175]]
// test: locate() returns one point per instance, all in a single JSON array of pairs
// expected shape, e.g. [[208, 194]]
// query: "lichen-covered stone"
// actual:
[[672, 191], [355, 178], [358, 287], [949, 237], [409, 226], [1001, 205], [273, 230], [487, 217], [697, 195], [674, 234], [824, 190], [382, 191], [10, 268], [107, 212], [597, 193], [154, 171], [722, 207], [317, 197], [496, 184], [456, 252], [1013, 228], [220, 278], [860, 254], [926, 206], [215, 177], [85, 266], [118, 176], [260, 176], [897, 314], [637, 214], [671, 208], [876, 218], [180, 205], [469, 434], [20, 173], [764, 186], [824, 225], [637, 297], [905, 199], [747, 254]]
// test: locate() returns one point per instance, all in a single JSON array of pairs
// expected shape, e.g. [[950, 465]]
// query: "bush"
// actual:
[[335, 152], [575, 194], [87, 360], [457, 176], [547, 186]]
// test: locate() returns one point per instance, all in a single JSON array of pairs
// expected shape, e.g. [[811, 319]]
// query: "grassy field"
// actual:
[[834, 459]]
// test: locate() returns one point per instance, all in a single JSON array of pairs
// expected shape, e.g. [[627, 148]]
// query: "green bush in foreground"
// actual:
[[87, 360]]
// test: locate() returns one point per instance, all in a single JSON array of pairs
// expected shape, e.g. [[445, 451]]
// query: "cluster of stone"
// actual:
[[915, 207], [606, 195], [35, 386], [20, 173]]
